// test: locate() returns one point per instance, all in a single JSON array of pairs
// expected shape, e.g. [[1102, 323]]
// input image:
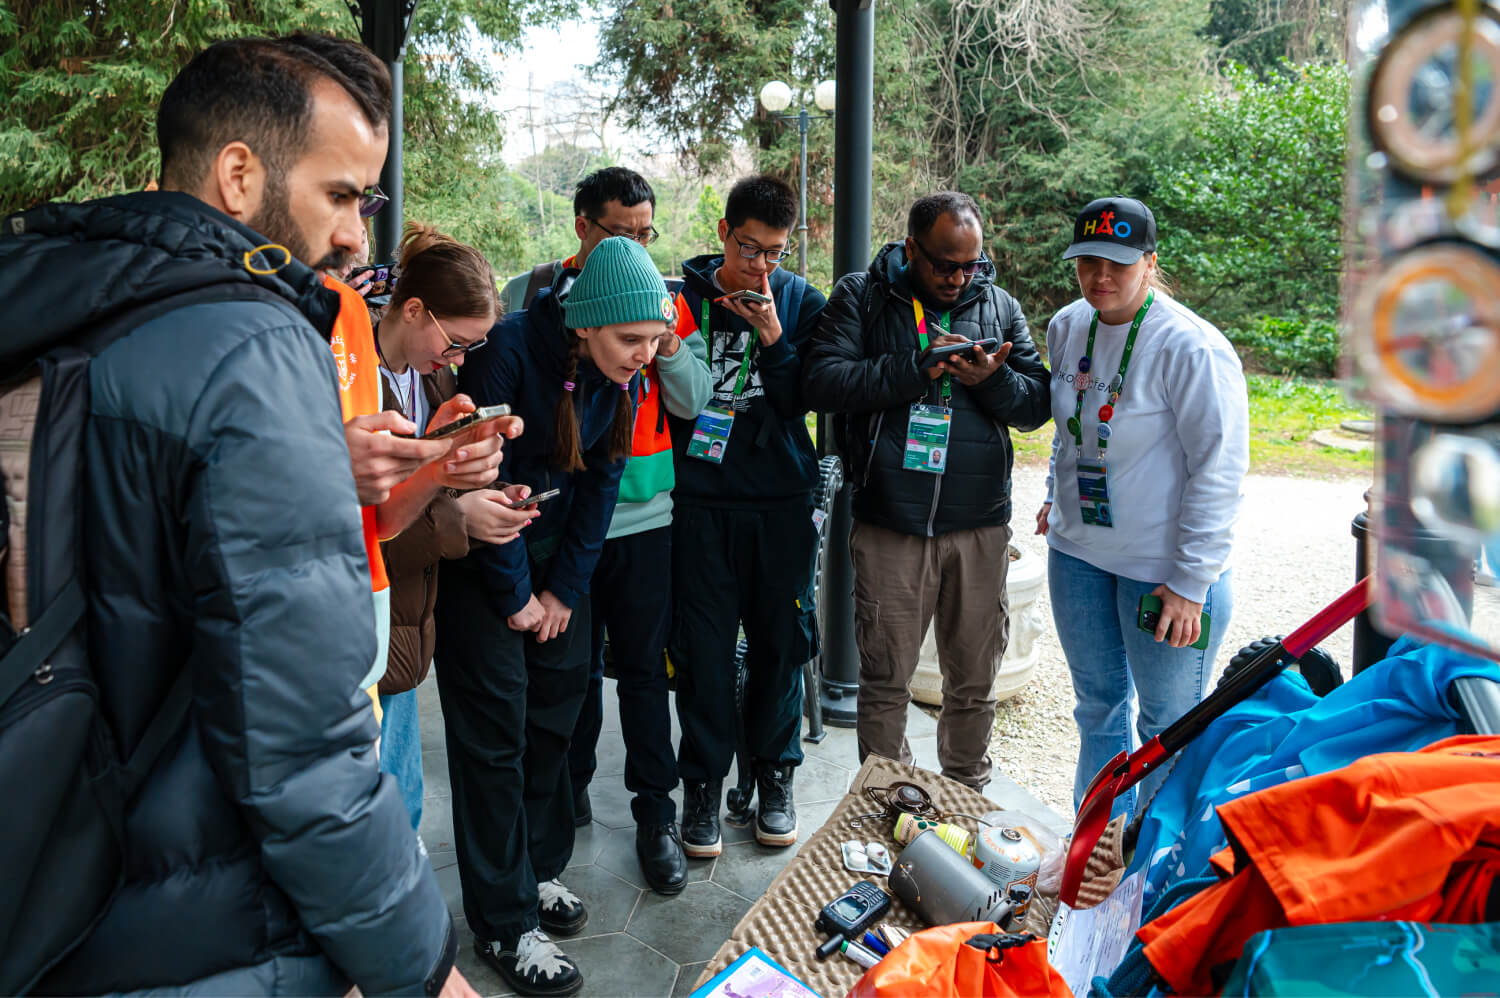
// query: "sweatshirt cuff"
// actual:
[[777, 352], [567, 594], [1188, 587], [511, 603]]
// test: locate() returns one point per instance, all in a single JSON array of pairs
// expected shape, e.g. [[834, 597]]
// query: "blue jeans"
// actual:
[[1118, 669], [401, 749]]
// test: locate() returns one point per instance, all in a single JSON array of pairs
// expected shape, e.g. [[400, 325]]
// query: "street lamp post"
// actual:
[[776, 97]]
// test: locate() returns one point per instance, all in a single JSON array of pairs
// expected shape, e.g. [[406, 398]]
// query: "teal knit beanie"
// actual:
[[618, 284]]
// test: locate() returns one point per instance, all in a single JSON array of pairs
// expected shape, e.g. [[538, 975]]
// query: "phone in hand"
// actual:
[[937, 353], [380, 277], [532, 500], [479, 416], [754, 296], [1148, 615]]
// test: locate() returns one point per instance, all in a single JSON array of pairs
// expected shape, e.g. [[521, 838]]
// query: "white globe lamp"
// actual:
[[776, 96], [826, 95]]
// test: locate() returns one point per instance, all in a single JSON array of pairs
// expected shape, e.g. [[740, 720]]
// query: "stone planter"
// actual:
[[1023, 590]]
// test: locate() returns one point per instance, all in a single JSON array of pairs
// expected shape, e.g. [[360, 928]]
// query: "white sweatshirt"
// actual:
[[1178, 453]]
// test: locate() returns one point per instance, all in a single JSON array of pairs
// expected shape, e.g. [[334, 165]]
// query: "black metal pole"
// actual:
[[854, 122], [802, 217], [383, 26]]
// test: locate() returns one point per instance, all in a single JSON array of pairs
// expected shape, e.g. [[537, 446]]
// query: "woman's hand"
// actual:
[[458, 405], [528, 618], [1181, 615], [555, 617], [1041, 519], [489, 518]]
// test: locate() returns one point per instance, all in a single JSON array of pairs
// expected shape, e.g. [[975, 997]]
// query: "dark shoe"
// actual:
[[700, 819], [659, 849], [776, 821], [534, 967], [583, 811], [560, 910]]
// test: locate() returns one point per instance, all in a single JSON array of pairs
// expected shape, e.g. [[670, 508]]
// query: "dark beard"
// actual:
[[275, 222]]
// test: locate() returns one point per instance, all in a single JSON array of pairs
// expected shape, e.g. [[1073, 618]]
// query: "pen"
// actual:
[[875, 944]]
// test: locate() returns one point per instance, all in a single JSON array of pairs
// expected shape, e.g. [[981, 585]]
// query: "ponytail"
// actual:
[[567, 452], [448, 276], [1158, 279]]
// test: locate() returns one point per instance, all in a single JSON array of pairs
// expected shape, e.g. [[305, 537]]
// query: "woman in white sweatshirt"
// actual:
[[1149, 453]]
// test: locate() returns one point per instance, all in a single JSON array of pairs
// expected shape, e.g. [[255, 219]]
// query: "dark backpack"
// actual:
[[64, 781], [851, 430]]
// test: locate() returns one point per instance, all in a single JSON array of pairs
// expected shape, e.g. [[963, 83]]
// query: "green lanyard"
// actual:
[[1085, 363], [916, 307], [708, 334]]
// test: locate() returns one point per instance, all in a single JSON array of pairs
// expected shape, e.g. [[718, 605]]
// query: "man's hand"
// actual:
[[528, 618], [761, 315], [487, 518], [1181, 615], [555, 619], [381, 461], [456, 987], [668, 344], [1041, 519], [970, 371]]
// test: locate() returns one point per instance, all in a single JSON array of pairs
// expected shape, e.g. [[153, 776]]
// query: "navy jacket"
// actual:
[[863, 364], [523, 366], [222, 536], [771, 458]]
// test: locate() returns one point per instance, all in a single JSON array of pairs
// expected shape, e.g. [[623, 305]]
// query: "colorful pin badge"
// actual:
[[1106, 412]]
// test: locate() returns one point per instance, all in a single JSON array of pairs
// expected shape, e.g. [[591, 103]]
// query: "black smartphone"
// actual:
[[380, 277], [473, 419], [1148, 615], [754, 296], [533, 500], [935, 354]]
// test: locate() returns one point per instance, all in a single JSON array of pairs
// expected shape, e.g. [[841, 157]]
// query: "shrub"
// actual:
[[1285, 345]]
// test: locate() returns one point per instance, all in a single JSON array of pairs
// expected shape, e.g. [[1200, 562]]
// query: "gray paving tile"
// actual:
[[609, 899], [618, 964], [609, 755], [839, 746], [687, 977], [747, 868], [435, 782], [688, 928], [430, 715], [437, 824], [587, 841], [617, 855], [819, 780], [453, 893], [442, 859], [924, 752]]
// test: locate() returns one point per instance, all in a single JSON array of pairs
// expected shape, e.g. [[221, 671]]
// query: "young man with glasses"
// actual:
[[613, 201], [744, 542], [927, 445]]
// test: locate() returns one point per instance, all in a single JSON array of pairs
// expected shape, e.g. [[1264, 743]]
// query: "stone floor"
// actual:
[[637, 942]]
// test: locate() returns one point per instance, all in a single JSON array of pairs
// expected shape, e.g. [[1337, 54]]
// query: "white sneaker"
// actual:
[[561, 911], [535, 967]]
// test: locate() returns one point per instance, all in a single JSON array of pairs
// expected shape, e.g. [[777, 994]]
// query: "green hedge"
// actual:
[[1284, 345]]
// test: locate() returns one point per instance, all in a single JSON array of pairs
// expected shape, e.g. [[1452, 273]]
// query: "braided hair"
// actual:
[[567, 454]]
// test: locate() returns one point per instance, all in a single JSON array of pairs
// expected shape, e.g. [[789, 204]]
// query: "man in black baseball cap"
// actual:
[[1118, 229]]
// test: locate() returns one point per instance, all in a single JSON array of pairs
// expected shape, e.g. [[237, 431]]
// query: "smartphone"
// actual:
[[935, 354], [754, 296], [380, 277], [1148, 615], [481, 415], [532, 500]]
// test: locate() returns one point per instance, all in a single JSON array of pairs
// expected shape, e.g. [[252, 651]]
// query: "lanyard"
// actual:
[[1106, 411], [944, 320], [708, 334]]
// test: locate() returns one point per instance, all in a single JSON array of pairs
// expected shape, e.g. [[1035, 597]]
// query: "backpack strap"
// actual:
[[790, 305], [541, 277], [41, 639], [169, 717]]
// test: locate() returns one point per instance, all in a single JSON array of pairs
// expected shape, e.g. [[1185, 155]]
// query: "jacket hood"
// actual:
[[698, 273], [887, 272], [549, 325], [71, 266]]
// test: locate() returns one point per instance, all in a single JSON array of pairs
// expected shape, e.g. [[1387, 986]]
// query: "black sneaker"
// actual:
[[583, 811], [561, 911], [534, 967], [659, 850], [700, 819], [776, 820]]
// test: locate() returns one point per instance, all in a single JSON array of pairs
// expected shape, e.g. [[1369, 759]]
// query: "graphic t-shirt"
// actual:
[[726, 353], [353, 343]]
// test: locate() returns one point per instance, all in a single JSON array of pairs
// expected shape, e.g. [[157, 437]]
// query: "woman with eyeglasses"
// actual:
[[443, 307], [1149, 453]]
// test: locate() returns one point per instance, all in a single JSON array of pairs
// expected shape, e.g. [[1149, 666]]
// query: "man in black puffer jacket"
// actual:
[[925, 433], [264, 853]]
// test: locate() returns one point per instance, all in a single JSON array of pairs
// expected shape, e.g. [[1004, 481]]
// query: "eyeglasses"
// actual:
[[455, 348], [750, 251], [946, 268], [644, 238], [371, 200]]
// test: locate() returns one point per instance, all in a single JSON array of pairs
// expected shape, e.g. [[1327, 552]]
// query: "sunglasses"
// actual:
[[454, 348], [372, 200], [750, 251], [947, 268], [644, 238]]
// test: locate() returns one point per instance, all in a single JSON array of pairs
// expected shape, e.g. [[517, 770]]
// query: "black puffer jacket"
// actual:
[[223, 536], [863, 364]]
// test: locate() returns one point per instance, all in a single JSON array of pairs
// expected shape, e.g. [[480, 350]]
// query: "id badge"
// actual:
[[1093, 494], [710, 439], [927, 432]]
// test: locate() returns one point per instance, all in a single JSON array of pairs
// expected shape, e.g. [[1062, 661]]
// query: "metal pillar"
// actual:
[[383, 27], [802, 118], [854, 124]]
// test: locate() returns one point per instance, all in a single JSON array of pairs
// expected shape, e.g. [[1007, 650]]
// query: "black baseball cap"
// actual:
[[1118, 229]]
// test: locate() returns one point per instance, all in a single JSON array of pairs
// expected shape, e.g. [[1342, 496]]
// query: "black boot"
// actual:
[[659, 850], [776, 820], [700, 819]]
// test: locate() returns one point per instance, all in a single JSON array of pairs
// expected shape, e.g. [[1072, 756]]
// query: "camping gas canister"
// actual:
[[1007, 856]]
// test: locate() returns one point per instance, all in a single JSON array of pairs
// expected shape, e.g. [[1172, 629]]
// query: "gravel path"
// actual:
[[1293, 554]]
